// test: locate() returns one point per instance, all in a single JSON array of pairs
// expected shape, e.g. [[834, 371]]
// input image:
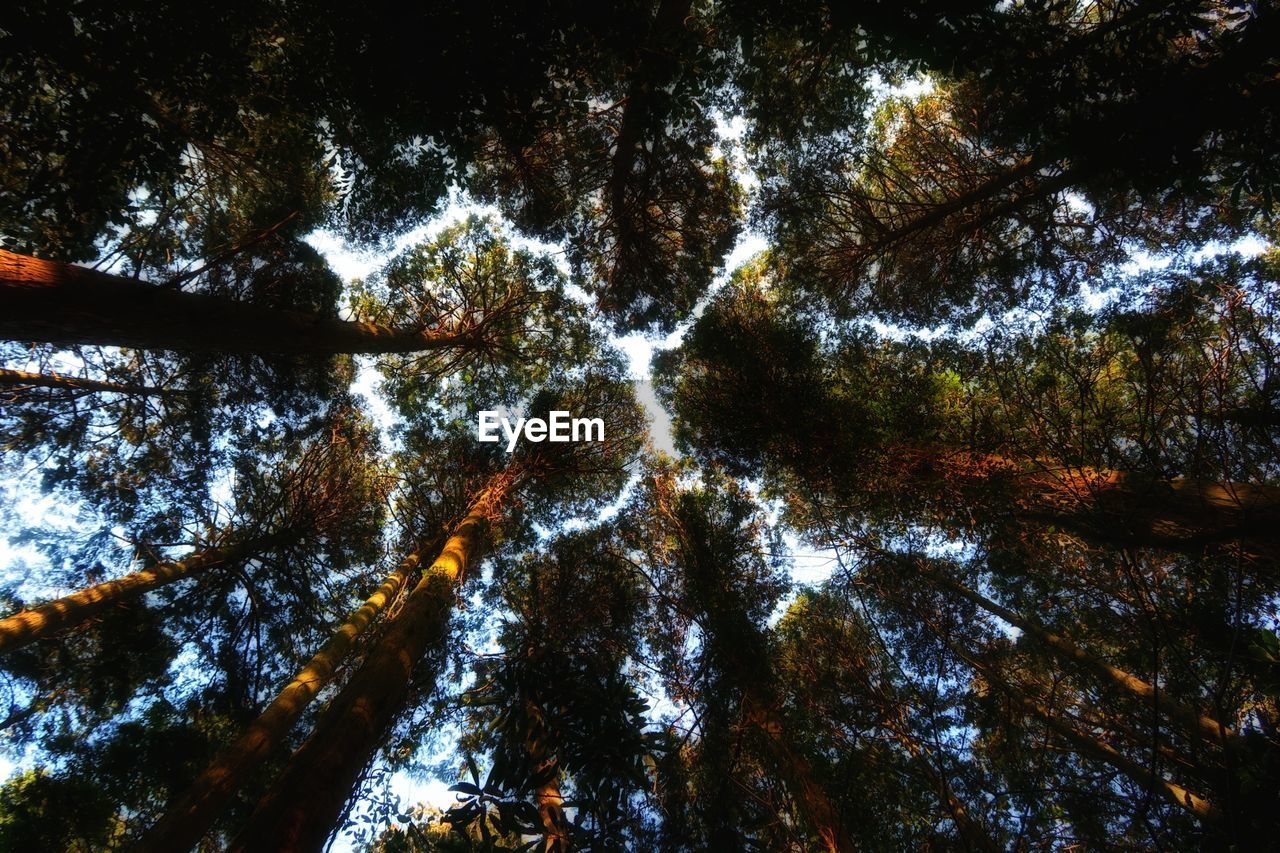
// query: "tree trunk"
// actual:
[[797, 772], [1189, 717], [308, 797], [69, 611], [1139, 774], [1110, 508], [742, 653], [50, 302], [551, 810], [1098, 749], [21, 379], [1188, 516], [187, 820]]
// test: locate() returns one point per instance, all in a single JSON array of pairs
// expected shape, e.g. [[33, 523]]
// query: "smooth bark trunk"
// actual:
[[309, 796], [50, 302], [188, 819], [798, 774], [69, 611], [1187, 716], [22, 379]]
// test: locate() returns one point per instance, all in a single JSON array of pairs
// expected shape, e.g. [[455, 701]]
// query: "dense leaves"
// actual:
[[970, 535]]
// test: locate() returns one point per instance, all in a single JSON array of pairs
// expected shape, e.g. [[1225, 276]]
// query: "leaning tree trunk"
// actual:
[[1190, 718], [796, 772], [190, 817], [69, 611], [50, 302], [1111, 508], [308, 797], [1091, 746], [22, 380]]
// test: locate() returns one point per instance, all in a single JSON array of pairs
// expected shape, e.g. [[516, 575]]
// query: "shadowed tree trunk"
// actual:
[[21, 379], [1190, 718], [1111, 508], [1091, 746], [69, 611], [308, 796], [187, 820], [796, 771], [741, 652], [551, 810], [49, 302]]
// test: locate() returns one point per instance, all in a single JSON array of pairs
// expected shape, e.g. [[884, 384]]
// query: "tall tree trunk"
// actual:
[[1139, 774], [307, 799], [1111, 508], [51, 302], [546, 790], [653, 69], [187, 820], [69, 611], [551, 810], [1094, 747], [22, 379], [796, 772], [742, 652], [1189, 717]]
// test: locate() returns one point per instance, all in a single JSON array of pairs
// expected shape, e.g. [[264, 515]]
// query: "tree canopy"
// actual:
[[926, 360]]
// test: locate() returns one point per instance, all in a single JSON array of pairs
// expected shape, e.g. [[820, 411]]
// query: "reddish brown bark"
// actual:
[[1108, 507], [49, 302], [187, 820], [308, 797], [21, 379], [1190, 718], [69, 611]]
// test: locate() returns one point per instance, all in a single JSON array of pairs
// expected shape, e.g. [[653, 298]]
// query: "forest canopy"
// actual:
[[936, 351]]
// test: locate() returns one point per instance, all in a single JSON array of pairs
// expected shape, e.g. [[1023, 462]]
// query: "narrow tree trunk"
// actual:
[[742, 652], [1139, 774], [1189, 717], [798, 774], [1111, 508], [69, 611], [647, 76], [51, 302], [308, 797], [546, 787], [1098, 749], [23, 379], [551, 810], [974, 834], [189, 818]]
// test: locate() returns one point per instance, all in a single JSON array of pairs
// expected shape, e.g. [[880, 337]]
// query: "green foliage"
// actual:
[[1045, 498]]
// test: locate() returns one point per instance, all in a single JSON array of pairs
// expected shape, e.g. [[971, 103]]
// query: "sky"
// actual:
[[22, 498]]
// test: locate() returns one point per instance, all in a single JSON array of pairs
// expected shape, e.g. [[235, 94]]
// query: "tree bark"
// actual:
[[551, 810], [1139, 774], [308, 798], [27, 626], [798, 774], [50, 302], [188, 819], [743, 653], [22, 379], [1098, 749], [1187, 716], [1111, 508]]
